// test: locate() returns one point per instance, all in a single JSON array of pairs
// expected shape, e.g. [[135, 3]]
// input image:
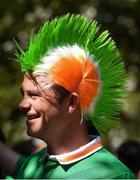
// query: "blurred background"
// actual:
[[19, 18]]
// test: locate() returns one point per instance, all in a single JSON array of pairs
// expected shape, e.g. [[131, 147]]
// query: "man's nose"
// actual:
[[25, 106]]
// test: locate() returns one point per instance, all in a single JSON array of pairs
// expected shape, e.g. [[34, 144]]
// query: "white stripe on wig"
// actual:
[[54, 55]]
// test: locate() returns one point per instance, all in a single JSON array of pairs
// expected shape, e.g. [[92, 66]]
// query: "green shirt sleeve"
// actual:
[[19, 164]]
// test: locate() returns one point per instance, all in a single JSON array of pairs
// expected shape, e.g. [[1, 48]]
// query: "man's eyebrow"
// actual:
[[29, 91]]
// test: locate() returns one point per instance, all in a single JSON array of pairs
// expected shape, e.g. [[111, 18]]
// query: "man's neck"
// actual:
[[69, 141]]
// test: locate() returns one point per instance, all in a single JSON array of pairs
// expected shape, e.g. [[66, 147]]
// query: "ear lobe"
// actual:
[[74, 102]]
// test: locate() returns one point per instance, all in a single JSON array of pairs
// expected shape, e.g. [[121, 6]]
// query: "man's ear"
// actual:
[[74, 102]]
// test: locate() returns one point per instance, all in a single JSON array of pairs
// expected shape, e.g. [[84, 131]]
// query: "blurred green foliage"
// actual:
[[19, 18]]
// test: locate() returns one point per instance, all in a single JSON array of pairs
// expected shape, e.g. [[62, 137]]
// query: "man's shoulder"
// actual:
[[104, 164], [30, 161], [35, 156], [108, 160]]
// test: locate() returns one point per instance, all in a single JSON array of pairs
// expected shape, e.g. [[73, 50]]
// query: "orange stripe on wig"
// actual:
[[77, 75]]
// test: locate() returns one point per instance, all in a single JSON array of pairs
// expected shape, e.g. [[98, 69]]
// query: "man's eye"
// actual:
[[34, 95]]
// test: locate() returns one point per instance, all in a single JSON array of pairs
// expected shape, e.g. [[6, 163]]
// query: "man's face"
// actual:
[[45, 116]]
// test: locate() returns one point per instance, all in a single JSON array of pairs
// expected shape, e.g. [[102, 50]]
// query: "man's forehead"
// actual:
[[28, 82], [39, 81]]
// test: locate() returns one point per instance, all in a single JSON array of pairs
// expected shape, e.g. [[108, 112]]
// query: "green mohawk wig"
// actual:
[[70, 30]]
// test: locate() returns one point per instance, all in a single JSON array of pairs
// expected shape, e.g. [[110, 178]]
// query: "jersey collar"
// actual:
[[80, 153]]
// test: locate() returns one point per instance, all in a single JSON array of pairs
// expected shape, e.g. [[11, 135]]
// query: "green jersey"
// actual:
[[89, 162]]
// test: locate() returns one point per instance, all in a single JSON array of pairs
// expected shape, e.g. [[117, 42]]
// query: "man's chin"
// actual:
[[29, 133], [32, 133], [32, 129]]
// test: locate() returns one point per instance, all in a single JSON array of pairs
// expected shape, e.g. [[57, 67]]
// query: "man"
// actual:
[[70, 73]]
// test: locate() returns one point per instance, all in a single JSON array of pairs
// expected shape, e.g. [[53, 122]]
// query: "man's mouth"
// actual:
[[32, 116]]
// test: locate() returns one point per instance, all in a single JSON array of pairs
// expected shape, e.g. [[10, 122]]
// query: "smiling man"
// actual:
[[71, 72], [49, 110]]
